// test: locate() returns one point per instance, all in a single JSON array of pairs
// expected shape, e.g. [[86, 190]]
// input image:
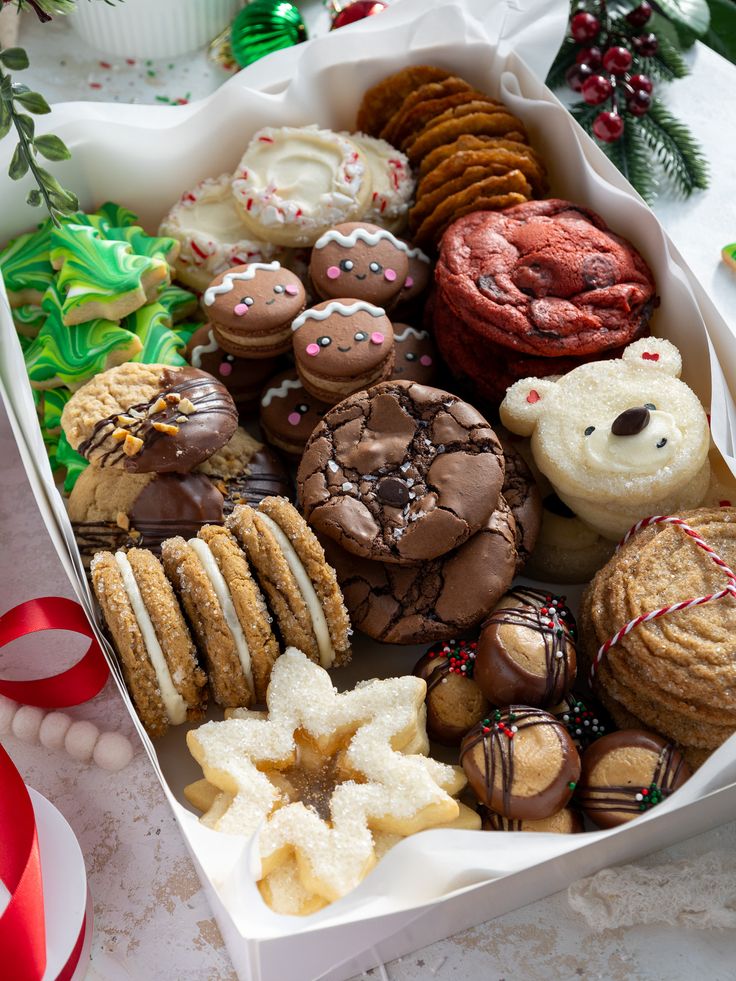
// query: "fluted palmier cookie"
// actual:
[[455, 703], [521, 763], [401, 473], [626, 773], [526, 650]]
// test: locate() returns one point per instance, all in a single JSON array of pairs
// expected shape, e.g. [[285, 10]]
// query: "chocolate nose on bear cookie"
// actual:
[[631, 422]]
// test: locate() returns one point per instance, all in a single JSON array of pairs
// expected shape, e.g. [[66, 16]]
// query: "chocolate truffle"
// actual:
[[566, 822], [454, 701]]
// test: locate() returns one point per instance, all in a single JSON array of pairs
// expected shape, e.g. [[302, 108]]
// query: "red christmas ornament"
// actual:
[[639, 103], [356, 11], [639, 15], [608, 126]]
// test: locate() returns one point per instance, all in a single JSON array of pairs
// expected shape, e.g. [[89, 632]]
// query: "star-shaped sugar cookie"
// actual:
[[323, 772]]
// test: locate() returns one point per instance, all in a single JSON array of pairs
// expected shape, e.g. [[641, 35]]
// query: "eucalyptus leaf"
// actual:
[[33, 102], [52, 147], [18, 164], [6, 88], [14, 58], [6, 119], [25, 124], [722, 33], [35, 198], [19, 88], [64, 201], [691, 14], [48, 180]]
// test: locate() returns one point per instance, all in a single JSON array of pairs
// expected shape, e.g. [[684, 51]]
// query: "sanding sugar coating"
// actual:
[[293, 183], [367, 727], [401, 473]]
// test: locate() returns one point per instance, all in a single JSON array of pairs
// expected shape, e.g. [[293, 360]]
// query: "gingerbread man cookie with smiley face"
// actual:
[[251, 308], [359, 260], [341, 347], [288, 413]]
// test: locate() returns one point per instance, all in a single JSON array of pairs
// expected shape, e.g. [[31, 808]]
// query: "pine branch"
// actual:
[[679, 155], [629, 154], [667, 64], [564, 59]]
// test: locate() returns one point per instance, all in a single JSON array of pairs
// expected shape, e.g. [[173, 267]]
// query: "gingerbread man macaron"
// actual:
[[341, 347], [359, 260], [251, 308], [416, 355]]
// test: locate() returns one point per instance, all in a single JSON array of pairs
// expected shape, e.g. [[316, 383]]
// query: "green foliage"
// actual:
[[721, 35], [693, 15], [679, 156]]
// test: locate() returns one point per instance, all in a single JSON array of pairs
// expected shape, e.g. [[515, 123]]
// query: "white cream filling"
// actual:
[[309, 595], [212, 571], [174, 704]]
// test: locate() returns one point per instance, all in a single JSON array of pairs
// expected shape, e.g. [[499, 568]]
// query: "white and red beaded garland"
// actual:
[[729, 590]]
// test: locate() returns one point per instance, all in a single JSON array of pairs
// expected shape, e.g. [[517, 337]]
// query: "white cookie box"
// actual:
[[438, 882]]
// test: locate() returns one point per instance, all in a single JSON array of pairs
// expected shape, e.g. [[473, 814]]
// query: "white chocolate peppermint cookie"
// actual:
[[293, 183], [206, 222], [393, 182]]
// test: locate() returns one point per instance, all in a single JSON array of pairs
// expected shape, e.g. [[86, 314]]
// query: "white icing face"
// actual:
[[644, 452], [280, 391], [230, 279], [369, 237], [325, 310]]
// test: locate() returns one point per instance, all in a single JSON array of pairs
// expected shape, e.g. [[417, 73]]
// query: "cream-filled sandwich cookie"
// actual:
[[150, 637], [251, 308], [301, 587], [227, 613], [393, 182], [288, 413], [359, 260], [342, 346], [207, 223], [294, 183]]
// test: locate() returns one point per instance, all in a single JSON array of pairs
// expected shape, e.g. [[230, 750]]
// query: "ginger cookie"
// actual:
[[380, 101], [470, 141], [626, 773], [416, 355], [521, 763], [226, 611], [401, 473], [437, 600], [477, 119], [149, 418], [151, 639], [494, 159], [301, 587], [430, 91]]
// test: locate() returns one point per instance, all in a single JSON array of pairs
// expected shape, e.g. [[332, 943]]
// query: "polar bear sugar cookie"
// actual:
[[618, 440]]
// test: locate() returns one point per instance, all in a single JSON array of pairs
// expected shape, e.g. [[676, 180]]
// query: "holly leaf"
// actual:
[[14, 58], [693, 15], [18, 164], [52, 147], [721, 36], [33, 102]]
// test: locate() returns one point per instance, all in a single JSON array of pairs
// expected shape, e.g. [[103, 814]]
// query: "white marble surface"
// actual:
[[152, 922]]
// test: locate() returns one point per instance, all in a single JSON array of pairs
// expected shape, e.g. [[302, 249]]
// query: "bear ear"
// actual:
[[655, 352], [524, 403]]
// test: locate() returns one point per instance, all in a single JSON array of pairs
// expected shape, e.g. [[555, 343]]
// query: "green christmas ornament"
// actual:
[[265, 26]]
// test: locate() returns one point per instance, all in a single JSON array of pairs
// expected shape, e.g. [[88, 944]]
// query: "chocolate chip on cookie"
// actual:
[[444, 462]]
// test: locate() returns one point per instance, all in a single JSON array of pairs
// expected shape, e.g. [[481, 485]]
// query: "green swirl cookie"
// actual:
[[53, 402], [26, 266], [70, 356], [28, 319], [101, 278], [151, 246], [69, 458], [116, 215], [179, 303], [160, 344]]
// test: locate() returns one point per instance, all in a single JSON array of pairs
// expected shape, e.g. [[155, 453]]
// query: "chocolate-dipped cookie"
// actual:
[[288, 413], [342, 346], [401, 473], [584, 720], [437, 600], [251, 308], [245, 471], [521, 762], [526, 650], [242, 377], [416, 355], [454, 701], [359, 260], [149, 418], [626, 773], [566, 822]]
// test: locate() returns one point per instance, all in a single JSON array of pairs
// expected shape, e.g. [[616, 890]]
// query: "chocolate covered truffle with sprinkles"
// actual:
[[454, 701], [584, 720]]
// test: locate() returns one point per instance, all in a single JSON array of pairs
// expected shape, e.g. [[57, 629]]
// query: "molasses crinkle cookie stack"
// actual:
[[404, 484]]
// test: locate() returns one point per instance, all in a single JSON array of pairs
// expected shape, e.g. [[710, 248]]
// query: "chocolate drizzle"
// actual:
[[198, 434], [264, 476]]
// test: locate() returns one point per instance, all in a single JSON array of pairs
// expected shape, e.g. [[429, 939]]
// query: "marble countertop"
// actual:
[[152, 920]]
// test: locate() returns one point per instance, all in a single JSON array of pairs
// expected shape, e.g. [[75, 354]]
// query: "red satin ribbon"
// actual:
[[71, 687], [22, 932]]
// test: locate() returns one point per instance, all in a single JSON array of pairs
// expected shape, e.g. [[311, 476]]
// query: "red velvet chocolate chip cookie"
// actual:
[[545, 278], [401, 473]]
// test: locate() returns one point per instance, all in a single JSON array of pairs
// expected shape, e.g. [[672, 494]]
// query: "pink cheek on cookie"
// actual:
[[377, 337], [291, 290], [293, 418], [333, 272], [313, 350], [425, 360], [225, 368], [389, 274], [239, 309], [408, 283]]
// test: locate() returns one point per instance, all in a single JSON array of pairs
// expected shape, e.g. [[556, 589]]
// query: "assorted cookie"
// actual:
[[289, 414], [244, 378], [359, 260], [455, 703]]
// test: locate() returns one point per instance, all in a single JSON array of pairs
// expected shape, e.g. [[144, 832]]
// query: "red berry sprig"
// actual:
[[603, 63]]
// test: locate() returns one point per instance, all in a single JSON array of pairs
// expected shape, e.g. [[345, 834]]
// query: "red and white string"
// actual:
[[728, 590]]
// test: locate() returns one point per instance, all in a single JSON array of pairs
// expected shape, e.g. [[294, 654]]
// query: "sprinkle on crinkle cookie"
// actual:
[[293, 184], [323, 772]]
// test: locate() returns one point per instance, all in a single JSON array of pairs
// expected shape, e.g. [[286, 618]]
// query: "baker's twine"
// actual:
[[729, 590]]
